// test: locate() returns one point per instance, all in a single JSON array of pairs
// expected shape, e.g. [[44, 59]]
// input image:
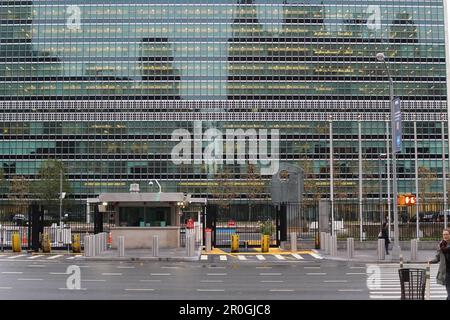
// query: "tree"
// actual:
[[3, 182], [47, 188], [426, 179], [20, 188], [254, 187]]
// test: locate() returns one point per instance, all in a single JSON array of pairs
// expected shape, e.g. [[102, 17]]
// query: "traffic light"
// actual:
[[406, 200]]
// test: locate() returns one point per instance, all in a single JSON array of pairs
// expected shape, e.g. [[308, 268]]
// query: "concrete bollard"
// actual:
[[381, 250], [121, 246], [188, 245], [350, 248], [327, 243], [155, 247], [414, 249], [192, 245], [322, 241], [401, 261], [427, 283], [333, 246], [208, 241], [87, 251], [293, 241]]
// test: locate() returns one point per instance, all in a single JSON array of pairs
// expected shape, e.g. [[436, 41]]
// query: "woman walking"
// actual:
[[443, 258]]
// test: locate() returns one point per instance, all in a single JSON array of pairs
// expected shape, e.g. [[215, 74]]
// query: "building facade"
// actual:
[[126, 91]]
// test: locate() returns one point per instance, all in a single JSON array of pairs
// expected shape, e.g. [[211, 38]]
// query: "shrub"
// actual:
[[267, 228]]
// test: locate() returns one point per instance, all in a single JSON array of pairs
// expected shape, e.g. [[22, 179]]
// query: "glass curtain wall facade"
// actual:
[[107, 86]]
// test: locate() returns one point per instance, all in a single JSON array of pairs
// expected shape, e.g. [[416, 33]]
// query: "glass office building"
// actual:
[[104, 85]]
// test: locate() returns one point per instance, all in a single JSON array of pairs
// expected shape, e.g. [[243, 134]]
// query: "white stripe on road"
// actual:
[[354, 273], [316, 274], [94, 280], [126, 267], [212, 281], [36, 256], [56, 273], [18, 256], [270, 281], [260, 257], [12, 272], [311, 267], [279, 257], [204, 257], [111, 274], [271, 274], [216, 274], [315, 255], [36, 266], [160, 274], [263, 267], [140, 289], [242, 258], [78, 256], [72, 289], [70, 258], [223, 258], [54, 257], [21, 279], [335, 281], [297, 256], [281, 290], [210, 290], [5, 288], [350, 290], [150, 280], [357, 267]]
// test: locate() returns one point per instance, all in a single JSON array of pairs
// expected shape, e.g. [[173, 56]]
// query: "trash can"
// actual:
[[412, 283]]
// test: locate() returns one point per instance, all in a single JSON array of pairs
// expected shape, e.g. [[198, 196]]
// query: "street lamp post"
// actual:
[[396, 248], [151, 183], [380, 186]]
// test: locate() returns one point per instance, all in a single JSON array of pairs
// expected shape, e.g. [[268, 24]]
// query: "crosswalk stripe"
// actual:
[[15, 257], [315, 255], [204, 257], [223, 258], [36, 256], [279, 257], [297, 256], [242, 258], [260, 257], [70, 258], [54, 257], [2, 255]]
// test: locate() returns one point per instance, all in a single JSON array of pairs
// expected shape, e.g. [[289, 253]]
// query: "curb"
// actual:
[[137, 259], [371, 260]]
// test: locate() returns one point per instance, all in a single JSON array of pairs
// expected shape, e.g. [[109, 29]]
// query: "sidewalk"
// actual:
[[371, 256], [173, 255]]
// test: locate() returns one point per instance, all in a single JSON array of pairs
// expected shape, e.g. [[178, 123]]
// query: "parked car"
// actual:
[[425, 217], [20, 219], [441, 215]]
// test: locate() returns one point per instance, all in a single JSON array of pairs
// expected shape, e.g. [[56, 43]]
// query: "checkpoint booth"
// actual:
[[139, 216]]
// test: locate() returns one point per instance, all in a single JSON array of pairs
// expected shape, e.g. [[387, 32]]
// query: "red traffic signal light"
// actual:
[[406, 200]]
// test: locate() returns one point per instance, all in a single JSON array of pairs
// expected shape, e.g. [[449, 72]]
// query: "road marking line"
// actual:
[[70, 258], [36, 266], [140, 289], [270, 281], [279, 257], [335, 281], [211, 281], [15, 257], [94, 280], [211, 290], [54, 257], [111, 274], [22, 279], [384, 297], [260, 257], [160, 274], [169, 267], [223, 258], [357, 267], [350, 290], [158, 280], [12, 272], [36, 256], [242, 258], [316, 274], [271, 274], [297, 256], [216, 274], [72, 289], [125, 267], [78, 256], [263, 267], [5, 288], [355, 273], [204, 257], [210, 267], [56, 273], [311, 267], [281, 290], [315, 255]]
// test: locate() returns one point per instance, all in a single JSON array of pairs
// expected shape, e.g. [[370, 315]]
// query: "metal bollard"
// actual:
[[381, 250], [155, 247], [414, 248], [188, 245], [350, 248], [208, 241], [121, 246], [293, 241]]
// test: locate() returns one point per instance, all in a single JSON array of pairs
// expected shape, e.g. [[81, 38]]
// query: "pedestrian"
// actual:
[[443, 258], [384, 234]]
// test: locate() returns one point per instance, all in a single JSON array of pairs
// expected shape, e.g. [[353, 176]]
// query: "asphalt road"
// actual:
[[321, 279]]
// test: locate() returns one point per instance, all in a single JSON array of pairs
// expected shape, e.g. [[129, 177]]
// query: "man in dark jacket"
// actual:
[[443, 258], [385, 235]]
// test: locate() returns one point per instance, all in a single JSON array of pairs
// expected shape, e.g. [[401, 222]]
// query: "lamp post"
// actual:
[[380, 186], [151, 183], [396, 248]]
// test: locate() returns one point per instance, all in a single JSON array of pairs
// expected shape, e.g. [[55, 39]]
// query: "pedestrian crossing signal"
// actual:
[[406, 200]]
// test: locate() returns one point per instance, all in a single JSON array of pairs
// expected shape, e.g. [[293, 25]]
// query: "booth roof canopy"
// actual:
[[149, 197]]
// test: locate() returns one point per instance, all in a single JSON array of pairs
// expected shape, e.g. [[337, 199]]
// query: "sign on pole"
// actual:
[[397, 136]]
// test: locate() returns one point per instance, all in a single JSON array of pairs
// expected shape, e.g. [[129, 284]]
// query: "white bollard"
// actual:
[[414, 247], [427, 284], [87, 249], [208, 242], [155, 247], [192, 245], [381, 251], [327, 243], [350, 248], [121, 246], [333, 246], [293, 242], [322, 241]]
